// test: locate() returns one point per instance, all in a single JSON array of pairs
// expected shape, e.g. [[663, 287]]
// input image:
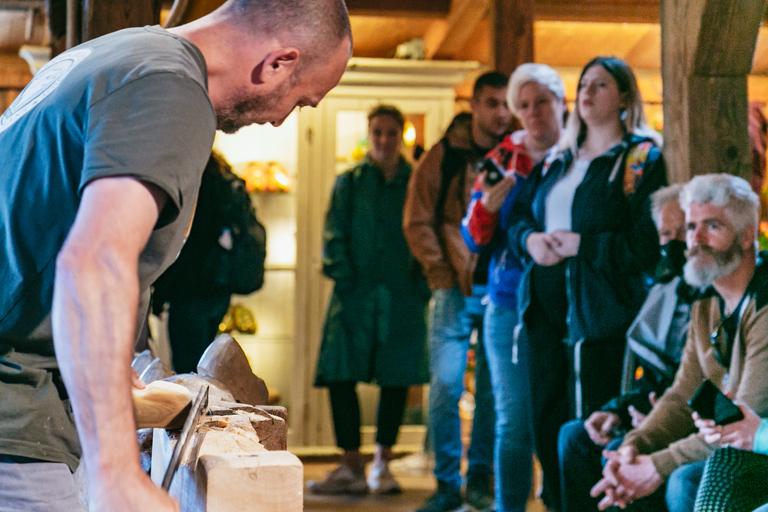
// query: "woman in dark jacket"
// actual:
[[584, 226], [375, 327]]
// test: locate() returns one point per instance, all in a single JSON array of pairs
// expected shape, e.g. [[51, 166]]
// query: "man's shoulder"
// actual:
[[134, 53]]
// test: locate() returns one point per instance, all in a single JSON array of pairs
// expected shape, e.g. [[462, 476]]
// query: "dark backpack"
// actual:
[[239, 269]]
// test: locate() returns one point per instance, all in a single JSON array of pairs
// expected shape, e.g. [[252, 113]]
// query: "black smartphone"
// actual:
[[493, 174], [712, 404]]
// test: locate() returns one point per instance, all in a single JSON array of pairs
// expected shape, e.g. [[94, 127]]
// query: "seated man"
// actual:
[[726, 344], [656, 337]]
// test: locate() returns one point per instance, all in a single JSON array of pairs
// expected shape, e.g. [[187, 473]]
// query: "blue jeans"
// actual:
[[581, 466], [451, 320], [511, 394], [682, 486]]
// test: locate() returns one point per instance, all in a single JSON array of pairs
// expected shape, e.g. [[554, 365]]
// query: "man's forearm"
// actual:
[[95, 304]]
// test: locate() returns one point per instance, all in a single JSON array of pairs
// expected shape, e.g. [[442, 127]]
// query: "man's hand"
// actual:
[[740, 434], [566, 243], [626, 477], [637, 417], [539, 246], [494, 195], [134, 491], [135, 380], [600, 425]]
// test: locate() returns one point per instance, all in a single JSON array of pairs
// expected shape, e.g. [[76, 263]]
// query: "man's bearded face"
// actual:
[[705, 265]]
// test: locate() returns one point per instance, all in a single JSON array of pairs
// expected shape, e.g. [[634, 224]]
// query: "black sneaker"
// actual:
[[479, 494], [446, 499]]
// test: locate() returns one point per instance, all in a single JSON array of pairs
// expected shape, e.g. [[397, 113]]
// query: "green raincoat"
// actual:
[[375, 327]]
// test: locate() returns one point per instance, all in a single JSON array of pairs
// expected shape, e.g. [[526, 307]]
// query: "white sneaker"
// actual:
[[381, 481]]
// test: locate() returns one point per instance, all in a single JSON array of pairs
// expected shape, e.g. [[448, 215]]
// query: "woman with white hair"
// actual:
[[536, 95], [583, 224]]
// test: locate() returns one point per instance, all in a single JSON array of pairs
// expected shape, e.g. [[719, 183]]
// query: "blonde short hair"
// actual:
[[536, 73]]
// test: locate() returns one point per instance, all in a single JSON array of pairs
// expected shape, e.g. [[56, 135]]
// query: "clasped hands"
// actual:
[[627, 476], [549, 249]]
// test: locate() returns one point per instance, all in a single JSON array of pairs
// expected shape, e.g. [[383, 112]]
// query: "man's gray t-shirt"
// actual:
[[132, 103]]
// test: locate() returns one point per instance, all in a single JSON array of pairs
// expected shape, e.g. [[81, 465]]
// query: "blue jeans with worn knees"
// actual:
[[450, 326], [513, 455], [682, 486]]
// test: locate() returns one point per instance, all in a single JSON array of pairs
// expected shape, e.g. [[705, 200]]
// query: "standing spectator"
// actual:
[[584, 225], [726, 344], [375, 327], [536, 95], [656, 337], [438, 196]]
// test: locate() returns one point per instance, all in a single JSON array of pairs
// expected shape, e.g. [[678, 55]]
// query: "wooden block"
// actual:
[[270, 422], [224, 360], [257, 482], [242, 476], [161, 404]]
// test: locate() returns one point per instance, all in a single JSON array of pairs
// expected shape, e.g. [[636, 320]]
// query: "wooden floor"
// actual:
[[417, 487]]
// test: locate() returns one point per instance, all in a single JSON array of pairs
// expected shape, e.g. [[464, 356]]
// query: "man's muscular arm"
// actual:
[[95, 306]]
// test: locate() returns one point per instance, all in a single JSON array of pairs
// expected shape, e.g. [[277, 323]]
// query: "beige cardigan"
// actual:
[[668, 434]]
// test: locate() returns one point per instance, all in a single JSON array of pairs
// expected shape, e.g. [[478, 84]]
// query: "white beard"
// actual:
[[702, 274]]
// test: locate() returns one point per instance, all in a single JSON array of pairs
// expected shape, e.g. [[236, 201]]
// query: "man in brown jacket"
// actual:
[[438, 196], [727, 344]]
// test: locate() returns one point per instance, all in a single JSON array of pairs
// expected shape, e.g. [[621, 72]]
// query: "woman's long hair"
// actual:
[[632, 119]]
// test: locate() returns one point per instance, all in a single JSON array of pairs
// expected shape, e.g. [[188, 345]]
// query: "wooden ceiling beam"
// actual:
[[400, 8], [444, 40], [22, 4], [627, 11]]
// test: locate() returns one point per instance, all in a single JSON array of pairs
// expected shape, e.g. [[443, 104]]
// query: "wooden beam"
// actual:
[[444, 40], [22, 4], [707, 49], [638, 11], [15, 72], [512, 29], [423, 8], [104, 16]]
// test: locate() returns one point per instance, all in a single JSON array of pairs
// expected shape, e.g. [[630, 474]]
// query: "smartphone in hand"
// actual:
[[712, 404]]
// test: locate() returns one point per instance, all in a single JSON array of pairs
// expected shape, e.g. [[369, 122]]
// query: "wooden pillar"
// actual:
[[707, 50], [104, 16], [512, 34]]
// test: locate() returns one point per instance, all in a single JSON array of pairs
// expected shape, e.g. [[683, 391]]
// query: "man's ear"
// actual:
[[276, 66], [747, 239]]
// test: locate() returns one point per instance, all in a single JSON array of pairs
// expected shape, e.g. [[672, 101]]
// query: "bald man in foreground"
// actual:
[[102, 158]]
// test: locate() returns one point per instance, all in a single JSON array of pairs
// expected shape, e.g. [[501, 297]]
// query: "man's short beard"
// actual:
[[703, 274], [240, 113]]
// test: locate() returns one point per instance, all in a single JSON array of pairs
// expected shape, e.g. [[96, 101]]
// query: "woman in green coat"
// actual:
[[375, 328]]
